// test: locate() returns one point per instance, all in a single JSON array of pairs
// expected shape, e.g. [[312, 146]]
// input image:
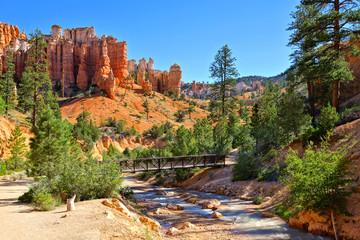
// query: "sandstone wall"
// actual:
[[77, 58], [159, 81], [74, 56]]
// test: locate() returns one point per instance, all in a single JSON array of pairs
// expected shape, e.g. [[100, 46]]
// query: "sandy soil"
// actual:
[[20, 222]]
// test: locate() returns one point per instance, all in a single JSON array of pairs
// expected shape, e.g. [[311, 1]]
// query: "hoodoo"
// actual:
[[78, 57]]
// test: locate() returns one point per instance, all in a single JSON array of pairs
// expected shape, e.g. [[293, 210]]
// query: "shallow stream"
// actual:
[[249, 223]]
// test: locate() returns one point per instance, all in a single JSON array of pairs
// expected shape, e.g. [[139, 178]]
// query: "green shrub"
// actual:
[[179, 115], [184, 174], [259, 200], [318, 180], [247, 167], [126, 192], [328, 117], [46, 202], [155, 132], [27, 197], [3, 169], [146, 175], [284, 212], [271, 173]]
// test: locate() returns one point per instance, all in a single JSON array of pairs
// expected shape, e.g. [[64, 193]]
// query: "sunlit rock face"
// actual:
[[160, 81], [78, 57]]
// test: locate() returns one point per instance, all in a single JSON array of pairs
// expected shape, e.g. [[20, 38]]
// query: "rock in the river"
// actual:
[[160, 192], [174, 207], [209, 204], [217, 215]]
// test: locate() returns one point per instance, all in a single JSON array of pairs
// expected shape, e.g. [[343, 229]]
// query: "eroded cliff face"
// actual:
[[10, 35], [159, 81], [78, 57]]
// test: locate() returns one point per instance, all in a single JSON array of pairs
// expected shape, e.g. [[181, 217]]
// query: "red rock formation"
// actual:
[[104, 76], [147, 88], [77, 57], [10, 34], [82, 77], [160, 81], [175, 78]]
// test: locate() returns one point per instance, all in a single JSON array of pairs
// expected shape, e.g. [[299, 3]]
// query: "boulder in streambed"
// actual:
[[174, 207], [217, 215]]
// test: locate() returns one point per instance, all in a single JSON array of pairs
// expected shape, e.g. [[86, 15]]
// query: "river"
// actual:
[[249, 223]]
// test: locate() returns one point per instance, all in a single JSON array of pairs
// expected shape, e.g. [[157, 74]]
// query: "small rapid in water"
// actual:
[[248, 223]]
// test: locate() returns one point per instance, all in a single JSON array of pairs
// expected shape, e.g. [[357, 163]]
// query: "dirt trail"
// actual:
[[20, 222]]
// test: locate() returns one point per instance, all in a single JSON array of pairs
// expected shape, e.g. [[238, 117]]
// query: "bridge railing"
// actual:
[[168, 163]]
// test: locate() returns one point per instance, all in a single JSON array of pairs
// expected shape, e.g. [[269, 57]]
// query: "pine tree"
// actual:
[[292, 118], [146, 108], [320, 29], [25, 96], [191, 108], [51, 142], [223, 70], [7, 84], [41, 87], [17, 148], [203, 134], [223, 140]]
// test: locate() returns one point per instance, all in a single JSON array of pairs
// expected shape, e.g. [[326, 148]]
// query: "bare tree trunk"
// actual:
[[70, 203], [310, 88], [333, 223], [335, 97]]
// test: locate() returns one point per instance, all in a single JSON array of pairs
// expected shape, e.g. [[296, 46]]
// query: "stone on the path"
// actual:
[[174, 207], [217, 215], [116, 204], [187, 225], [151, 223], [172, 231]]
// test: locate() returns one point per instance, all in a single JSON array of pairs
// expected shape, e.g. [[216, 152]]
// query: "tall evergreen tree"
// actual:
[[223, 70], [7, 83], [25, 96], [292, 118], [51, 142], [191, 108], [223, 140], [17, 148], [321, 27], [41, 87], [146, 108]]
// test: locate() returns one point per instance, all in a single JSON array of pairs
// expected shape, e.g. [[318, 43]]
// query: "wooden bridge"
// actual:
[[169, 163]]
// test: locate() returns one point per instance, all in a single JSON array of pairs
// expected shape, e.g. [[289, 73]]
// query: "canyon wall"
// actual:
[[10, 35], [78, 57], [159, 81]]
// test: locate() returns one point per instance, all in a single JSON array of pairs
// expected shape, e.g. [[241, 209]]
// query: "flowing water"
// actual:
[[249, 223]]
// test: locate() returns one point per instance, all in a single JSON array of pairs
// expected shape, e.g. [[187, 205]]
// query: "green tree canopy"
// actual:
[[223, 70], [7, 83]]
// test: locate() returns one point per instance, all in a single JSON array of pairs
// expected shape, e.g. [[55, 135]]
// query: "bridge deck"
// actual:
[[168, 163]]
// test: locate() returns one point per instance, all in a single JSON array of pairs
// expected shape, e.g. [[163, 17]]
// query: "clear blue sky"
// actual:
[[188, 32]]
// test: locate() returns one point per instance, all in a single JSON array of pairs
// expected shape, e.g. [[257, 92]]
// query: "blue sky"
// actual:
[[169, 31]]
